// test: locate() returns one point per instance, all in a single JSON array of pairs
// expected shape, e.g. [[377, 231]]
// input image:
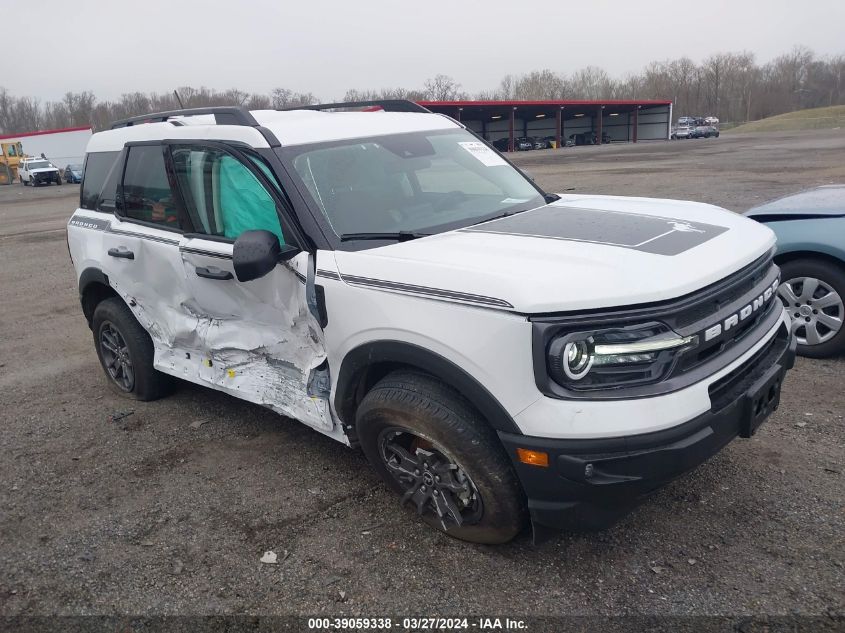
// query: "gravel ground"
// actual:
[[108, 506]]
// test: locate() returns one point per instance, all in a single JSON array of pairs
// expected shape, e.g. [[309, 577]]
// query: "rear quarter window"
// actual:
[[99, 181]]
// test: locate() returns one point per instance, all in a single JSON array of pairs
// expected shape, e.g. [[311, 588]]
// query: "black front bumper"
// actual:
[[43, 177], [591, 483]]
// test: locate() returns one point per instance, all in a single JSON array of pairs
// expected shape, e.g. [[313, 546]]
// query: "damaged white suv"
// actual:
[[388, 279]]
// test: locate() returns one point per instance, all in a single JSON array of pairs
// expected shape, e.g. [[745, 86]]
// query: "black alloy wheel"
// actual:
[[430, 478], [117, 358]]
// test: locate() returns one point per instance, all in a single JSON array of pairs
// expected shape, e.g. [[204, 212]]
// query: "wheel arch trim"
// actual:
[[360, 360], [90, 279]]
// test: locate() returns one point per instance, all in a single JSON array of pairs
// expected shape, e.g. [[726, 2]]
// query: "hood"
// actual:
[[43, 170], [578, 253], [821, 202]]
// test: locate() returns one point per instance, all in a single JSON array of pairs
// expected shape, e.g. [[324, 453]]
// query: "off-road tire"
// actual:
[[149, 384], [431, 410], [832, 275]]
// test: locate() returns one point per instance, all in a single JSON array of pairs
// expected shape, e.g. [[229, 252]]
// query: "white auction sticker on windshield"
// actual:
[[483, 153]]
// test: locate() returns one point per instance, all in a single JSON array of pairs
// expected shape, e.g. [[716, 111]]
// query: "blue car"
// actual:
[[810, 227], [73, 173]]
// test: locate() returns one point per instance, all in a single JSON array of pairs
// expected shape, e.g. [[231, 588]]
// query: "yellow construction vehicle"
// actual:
[[11, 154]]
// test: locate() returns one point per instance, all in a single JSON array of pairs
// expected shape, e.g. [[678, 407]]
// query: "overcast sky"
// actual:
[[329, 46]]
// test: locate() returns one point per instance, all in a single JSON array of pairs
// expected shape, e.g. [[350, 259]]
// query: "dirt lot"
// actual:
[[168, 510]]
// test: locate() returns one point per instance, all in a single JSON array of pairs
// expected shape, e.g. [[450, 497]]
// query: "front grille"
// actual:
[[705, 351], [725, 292]]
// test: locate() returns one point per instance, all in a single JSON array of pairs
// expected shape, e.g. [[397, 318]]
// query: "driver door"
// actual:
[[259, 339]]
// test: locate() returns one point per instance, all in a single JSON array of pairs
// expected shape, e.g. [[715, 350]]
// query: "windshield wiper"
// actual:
[[399, 236], [506, 214]]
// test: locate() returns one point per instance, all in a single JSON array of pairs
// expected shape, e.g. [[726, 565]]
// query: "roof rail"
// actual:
[[388, 105], [223, 115]]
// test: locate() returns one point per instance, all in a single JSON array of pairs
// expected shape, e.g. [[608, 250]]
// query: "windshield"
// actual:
[[37, 164], [420, 182], [75, 167]]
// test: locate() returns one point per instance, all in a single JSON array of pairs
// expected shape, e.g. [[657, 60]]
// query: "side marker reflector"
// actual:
[[533, 458]]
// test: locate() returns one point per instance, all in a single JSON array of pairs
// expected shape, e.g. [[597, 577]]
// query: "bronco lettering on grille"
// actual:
[[743, 313]]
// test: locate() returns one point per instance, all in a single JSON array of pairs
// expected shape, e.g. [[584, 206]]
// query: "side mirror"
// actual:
[[256, 253]]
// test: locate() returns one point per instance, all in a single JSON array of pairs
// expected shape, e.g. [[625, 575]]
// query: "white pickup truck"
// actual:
[[38, 171]]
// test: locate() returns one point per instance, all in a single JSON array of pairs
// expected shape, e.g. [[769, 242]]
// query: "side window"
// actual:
[[146, 190], [223, 197], [95, 189]]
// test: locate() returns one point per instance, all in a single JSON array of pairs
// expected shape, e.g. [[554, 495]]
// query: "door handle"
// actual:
[[207, 273], [122, 253]]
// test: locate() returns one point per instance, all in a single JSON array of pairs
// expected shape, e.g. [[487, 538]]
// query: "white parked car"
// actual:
[[682, 131], [500, 354], [38, 171]]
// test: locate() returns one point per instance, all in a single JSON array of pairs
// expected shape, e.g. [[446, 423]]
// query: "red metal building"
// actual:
[[612, 121]]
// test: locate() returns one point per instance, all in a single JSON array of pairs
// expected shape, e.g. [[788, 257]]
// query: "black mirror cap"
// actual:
[[256, 253]]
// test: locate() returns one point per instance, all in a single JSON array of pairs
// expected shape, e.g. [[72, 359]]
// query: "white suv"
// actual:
[[390, 280]]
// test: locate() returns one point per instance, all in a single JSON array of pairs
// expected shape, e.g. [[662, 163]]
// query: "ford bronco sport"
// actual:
[[500, 354]]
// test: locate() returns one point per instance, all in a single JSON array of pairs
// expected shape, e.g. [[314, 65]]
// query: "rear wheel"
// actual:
[[126, 352], [813, 292], [431, 446]]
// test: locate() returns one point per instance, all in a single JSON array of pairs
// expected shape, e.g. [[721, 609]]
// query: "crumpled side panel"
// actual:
[[256, 340]]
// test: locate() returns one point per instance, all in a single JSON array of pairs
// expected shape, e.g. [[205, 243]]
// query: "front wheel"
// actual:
[[431, 446], [813, 292]]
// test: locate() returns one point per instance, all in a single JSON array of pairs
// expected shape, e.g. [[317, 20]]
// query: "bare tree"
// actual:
[[284, 98], [7, 102], [542, 84], [592, 83], [442, 88]]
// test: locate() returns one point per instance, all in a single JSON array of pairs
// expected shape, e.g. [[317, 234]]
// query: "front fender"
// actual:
[[821, 235]]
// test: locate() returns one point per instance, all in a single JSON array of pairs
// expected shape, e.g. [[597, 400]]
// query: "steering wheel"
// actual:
[[449, 198]]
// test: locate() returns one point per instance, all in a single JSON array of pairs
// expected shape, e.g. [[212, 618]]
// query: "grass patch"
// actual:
[[812, 119]]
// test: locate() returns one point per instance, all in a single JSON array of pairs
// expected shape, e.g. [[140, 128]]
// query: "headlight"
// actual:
[[615, 357], [577, 359]]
